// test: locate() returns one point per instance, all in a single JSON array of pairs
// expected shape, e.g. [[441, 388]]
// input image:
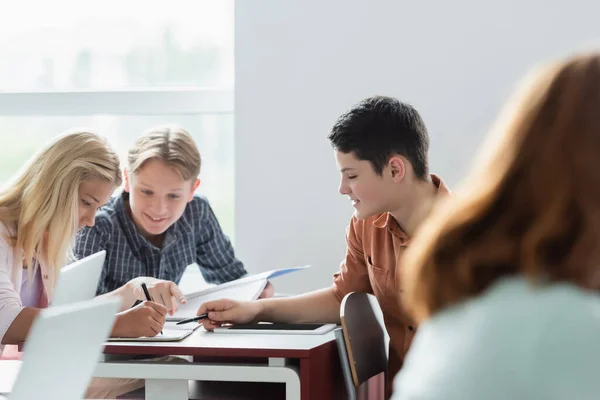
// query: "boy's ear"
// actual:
[[126, 180], [194, 187], [397, 168]]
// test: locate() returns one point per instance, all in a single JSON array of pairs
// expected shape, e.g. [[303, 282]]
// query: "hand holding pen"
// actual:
[[147, 294], [196, 318]]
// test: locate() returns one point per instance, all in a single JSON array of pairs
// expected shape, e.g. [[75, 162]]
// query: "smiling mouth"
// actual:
[[156, 219]]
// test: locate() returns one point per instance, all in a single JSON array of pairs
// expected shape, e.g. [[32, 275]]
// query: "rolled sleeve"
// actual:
[[353, 275]]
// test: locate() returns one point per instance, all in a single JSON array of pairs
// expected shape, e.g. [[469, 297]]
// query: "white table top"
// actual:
[[202, 340]]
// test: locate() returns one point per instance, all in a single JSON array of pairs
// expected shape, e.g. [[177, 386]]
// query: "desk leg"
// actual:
[[160, 389], [293, 386], [292, 380], [321, 375]]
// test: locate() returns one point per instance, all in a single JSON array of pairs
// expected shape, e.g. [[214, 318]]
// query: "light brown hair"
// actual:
[[531, 208], [170, 144]]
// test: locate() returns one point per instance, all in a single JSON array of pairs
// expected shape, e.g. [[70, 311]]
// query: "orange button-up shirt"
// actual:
[[373, 259]]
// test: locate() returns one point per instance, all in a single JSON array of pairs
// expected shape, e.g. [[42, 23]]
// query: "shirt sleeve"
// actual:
[[353, 275], [90, 241], [214, 252], [10, 301]]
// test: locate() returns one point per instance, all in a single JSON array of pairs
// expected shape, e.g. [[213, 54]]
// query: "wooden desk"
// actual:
[[308, 364]]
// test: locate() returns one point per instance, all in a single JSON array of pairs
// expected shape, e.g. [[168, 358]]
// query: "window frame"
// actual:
[[125, 102], [129, 101]]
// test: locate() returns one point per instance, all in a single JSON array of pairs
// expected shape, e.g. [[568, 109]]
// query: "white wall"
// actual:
[[301, 63]]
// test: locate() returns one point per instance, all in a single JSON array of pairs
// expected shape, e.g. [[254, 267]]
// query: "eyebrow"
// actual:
[[95, 199], [151, 187], [347, 169]]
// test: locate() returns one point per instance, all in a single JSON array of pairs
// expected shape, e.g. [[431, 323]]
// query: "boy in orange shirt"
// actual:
[[380, 147]]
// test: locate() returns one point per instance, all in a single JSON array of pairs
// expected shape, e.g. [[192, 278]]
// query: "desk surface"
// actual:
[[209, 344]]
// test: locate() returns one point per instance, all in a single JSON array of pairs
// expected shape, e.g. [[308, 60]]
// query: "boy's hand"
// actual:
[[162, 292], [227, 311]]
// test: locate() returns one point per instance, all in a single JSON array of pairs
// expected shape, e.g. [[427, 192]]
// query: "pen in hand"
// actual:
[[147, 294], [197, 318]]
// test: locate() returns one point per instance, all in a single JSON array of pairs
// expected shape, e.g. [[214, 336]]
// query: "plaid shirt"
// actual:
[[195, 237]]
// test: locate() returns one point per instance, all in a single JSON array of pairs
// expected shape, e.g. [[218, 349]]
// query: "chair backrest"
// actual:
[[364, 338], [79, 281], [345, 364], [63, 349]]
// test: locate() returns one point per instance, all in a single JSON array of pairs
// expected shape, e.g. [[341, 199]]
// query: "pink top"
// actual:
[[12, 276], [32, 292]]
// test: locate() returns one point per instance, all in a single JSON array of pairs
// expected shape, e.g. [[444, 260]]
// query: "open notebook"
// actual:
[[243, 289], [170, 333]]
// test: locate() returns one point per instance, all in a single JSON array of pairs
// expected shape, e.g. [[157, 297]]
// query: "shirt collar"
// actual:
[[387, 221], [441, 185], [135, 238]]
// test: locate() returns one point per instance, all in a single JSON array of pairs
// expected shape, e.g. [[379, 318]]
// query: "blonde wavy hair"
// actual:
[[170, 144], [43, 199], [531, 207]]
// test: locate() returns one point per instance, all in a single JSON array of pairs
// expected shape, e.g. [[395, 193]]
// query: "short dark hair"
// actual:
[[379, 127]]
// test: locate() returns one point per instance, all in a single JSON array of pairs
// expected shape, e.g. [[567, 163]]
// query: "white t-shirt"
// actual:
[[516, 341]]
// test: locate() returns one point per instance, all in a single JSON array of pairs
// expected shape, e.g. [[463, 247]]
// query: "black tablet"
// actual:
[[277, 328]]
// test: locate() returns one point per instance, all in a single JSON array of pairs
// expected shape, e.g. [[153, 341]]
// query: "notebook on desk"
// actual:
[[170, 333], [244, 289], [242, 292]]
